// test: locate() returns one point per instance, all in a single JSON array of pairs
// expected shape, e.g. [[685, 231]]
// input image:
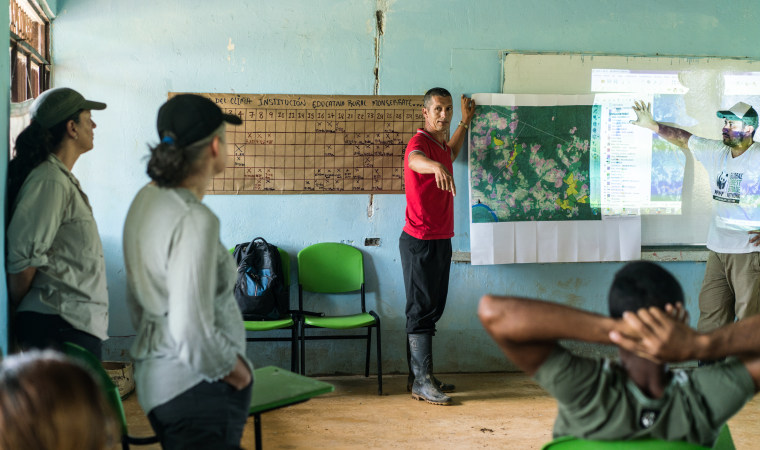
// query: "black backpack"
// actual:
[[260, 288]]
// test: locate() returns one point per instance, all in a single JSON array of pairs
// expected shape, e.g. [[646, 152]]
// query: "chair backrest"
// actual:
[[571, 443], [330, 267], [724, 442], [109, 387]]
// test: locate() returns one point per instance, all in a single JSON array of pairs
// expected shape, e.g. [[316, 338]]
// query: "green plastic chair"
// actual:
[[111, 390], [335, 268], [280, 324], [724, 442]]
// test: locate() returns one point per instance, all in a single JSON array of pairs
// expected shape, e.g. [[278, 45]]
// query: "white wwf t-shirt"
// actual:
[[735, 189]]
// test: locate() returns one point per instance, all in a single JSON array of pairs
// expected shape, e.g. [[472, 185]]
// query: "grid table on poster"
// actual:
[[291, 144]]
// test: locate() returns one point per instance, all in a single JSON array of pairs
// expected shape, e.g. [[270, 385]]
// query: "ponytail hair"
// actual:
[[32, 147], [170, 164]]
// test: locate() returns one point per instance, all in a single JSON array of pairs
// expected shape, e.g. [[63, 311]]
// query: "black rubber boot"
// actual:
[[423, 388], [443, 387]]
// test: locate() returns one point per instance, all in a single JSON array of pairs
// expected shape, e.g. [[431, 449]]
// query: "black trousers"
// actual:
[[206, 416], [35, 330], [426, 265]]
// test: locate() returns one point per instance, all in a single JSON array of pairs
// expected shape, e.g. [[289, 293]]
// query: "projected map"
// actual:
[[668, 161], [641, 173], [531, 163]]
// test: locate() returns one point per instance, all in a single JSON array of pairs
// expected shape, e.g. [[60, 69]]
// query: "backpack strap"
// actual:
[[249, 248]]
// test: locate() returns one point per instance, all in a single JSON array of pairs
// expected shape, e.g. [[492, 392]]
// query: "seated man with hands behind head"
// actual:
[[637, 397]]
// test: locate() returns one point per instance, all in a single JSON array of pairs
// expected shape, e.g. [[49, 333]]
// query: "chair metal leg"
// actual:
[[257, 430], [379, 362], [303, 348], [369, 348], [379, 354], [294, 348]]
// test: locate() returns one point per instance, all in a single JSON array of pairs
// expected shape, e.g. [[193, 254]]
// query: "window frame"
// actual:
[[21, 28]]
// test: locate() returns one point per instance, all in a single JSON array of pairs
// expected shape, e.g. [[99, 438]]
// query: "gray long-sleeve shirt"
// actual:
[[180, 283]]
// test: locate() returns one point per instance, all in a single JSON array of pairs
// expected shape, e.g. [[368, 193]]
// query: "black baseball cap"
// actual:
[[188, 118], [56, 105]]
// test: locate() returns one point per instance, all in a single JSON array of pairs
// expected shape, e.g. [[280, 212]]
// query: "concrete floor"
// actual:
[[493, 410]]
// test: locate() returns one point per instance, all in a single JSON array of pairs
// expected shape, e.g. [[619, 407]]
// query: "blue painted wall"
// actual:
[[130, 54], [5, 80]]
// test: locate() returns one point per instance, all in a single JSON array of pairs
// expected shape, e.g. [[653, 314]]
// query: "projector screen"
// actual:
[[642, 173]]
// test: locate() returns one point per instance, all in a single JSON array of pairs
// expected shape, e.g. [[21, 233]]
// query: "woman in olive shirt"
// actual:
[[56, 270]]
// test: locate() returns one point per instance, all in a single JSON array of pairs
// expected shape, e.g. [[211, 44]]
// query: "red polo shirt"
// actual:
[[429, 210]]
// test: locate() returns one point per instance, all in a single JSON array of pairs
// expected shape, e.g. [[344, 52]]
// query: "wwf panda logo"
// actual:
[[721, 181]]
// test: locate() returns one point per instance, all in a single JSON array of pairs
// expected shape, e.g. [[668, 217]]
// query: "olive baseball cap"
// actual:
[[740, 111], [56, 105], [188, 118]]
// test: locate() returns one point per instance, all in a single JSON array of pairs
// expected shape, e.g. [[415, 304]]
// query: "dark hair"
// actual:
[[642, 284], [50, 402], [32, 147], [435, 92], [170, 164]]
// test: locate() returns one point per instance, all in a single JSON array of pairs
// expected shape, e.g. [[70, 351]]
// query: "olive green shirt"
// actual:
[[53, 229], [597, 401]]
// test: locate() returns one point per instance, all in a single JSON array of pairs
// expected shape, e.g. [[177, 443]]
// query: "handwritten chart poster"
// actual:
[[316, 144]]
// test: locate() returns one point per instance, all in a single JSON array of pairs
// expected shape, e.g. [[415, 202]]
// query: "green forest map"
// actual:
[[531, 163]]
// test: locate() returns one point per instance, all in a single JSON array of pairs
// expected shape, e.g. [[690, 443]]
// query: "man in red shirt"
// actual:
[[425, 243]]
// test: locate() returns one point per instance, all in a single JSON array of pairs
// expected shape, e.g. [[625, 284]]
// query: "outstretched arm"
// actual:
[[645, 119], [420, 163], [665, 339], [457, 139], [526, 330]]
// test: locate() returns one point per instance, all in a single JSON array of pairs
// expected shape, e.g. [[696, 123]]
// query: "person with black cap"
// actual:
[[56, 270], [192, 376], [731, 287]]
